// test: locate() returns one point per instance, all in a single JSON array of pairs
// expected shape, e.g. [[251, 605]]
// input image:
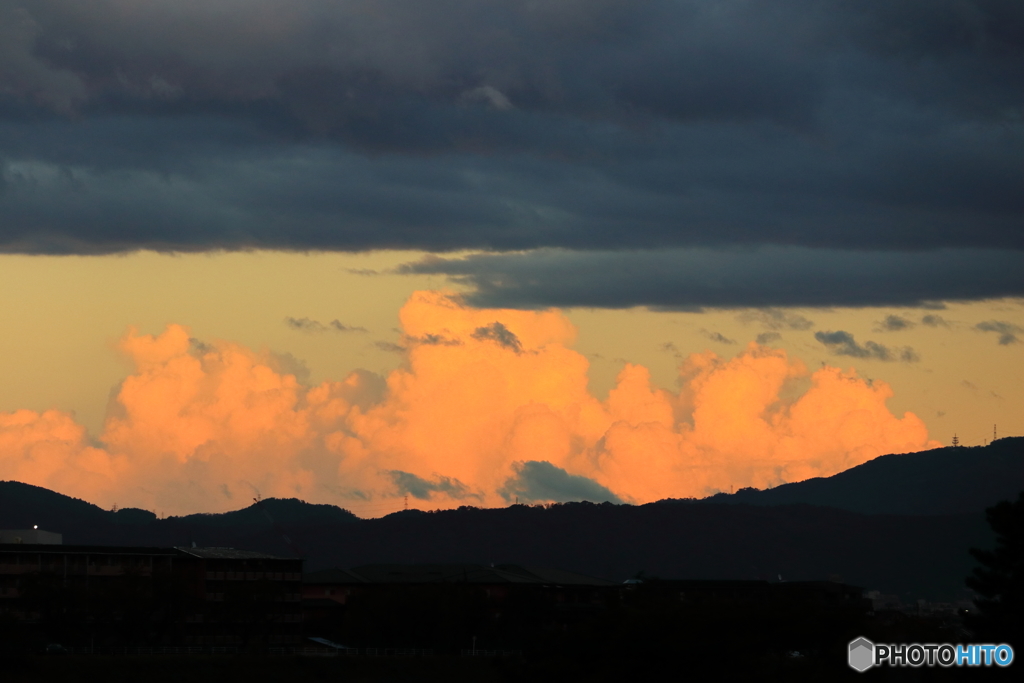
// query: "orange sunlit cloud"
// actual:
[[490, 404]]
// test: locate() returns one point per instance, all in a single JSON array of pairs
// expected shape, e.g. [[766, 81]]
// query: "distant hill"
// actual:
[[24, 505], [901, 524], [914, 556], [944, 481]]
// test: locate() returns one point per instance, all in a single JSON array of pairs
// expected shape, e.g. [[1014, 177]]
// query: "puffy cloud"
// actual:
[[50, 449], [843, 344], [475, 419], [1007, 331]]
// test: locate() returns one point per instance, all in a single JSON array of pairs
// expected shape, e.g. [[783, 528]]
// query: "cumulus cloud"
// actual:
[[843, 344], [315, 326], [456, 422], [543, 482], [1007, 331]]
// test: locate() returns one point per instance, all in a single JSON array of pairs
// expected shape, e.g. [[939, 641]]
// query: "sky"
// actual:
[[477, 252]]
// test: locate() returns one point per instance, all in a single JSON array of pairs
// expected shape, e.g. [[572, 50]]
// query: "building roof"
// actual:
[[451, 573], [228, 554], [205, 553], [555, 575], [84, 549], [334, 575]]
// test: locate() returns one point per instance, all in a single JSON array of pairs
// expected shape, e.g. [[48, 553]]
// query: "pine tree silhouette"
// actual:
[[999, 581]]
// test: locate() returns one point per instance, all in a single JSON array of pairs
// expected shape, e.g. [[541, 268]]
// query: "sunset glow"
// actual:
[[471, 252], [484, 395]]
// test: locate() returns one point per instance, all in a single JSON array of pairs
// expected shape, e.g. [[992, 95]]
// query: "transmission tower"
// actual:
[[956, 441]]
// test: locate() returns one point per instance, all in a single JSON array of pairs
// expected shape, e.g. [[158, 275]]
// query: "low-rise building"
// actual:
[[152, 596]]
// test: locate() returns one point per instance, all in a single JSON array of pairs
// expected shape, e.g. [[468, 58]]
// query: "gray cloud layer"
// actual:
[[775, 319], [512, 125], [1007, 331], [316, 327], [539, 480], [895, 323], [691, 279], [499, 334], [423, 489], [842, 343]]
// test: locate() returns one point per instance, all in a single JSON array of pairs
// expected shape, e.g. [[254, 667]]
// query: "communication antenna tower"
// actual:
[[993, 432], [406, 501], [956, 441]]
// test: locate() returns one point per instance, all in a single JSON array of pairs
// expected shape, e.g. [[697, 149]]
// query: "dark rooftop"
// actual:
[[83, 549], [452, 573], [228, 554]]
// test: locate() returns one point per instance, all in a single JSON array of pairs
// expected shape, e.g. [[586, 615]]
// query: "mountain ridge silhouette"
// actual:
[[915, 545]]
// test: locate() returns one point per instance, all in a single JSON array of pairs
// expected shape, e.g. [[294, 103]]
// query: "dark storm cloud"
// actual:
[[511, 125], [541, 481], [692, 279], [843, 344]]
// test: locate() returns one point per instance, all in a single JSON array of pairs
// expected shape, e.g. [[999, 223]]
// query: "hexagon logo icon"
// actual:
[[862, 654]]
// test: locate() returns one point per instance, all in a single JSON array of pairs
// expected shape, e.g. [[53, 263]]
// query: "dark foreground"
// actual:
[[647, 645], [155, 669]]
